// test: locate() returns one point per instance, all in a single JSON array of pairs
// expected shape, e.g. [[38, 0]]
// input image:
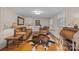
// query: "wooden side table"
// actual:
[[13, 38]]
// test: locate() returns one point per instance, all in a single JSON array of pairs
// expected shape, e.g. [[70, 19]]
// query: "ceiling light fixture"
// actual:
[[37, 12]]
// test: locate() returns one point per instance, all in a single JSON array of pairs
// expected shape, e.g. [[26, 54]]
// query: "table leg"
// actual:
[[21, 38], [73, 46], [13, 42], [7, 43]]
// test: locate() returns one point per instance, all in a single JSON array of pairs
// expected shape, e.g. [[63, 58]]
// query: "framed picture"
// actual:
[[37, 22], [20, 21]]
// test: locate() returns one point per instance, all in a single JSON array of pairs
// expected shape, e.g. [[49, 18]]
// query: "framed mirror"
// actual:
[[20, 21]]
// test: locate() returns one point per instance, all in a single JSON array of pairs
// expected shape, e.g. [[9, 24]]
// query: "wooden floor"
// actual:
[[25, 46]]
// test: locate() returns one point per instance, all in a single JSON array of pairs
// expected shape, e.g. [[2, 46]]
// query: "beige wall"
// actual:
[[29, 20], [7, 17], [56, 26], [43, 22], [0, 19], [71, 16]]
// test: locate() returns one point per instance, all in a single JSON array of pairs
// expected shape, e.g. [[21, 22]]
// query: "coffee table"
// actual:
[[14, 38]]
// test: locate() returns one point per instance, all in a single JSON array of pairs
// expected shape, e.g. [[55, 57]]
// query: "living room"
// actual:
[[46, 20]]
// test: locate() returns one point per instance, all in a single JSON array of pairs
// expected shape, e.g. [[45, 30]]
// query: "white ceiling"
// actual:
[[48, 11]]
